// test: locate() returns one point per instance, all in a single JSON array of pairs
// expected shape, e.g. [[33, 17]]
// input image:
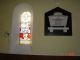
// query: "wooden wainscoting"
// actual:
[[34, 57]]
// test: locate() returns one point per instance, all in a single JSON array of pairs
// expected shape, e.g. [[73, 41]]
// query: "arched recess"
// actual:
[[16, 46]]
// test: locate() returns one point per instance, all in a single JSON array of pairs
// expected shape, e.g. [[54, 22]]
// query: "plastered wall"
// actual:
[[42, 45]]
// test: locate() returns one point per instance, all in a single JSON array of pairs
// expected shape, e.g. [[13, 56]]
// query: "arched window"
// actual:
[[21, 32], [25, 28]]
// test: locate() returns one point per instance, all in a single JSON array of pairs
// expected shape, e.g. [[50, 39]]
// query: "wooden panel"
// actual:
[[34, 57]]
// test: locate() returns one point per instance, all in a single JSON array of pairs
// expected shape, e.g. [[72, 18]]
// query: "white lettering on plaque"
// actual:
[[57, 20]]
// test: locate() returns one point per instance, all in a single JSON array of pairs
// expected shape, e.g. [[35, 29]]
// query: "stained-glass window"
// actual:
[[25, 28]]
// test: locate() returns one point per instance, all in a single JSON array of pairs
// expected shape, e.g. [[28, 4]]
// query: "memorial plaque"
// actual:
[[58, 22]]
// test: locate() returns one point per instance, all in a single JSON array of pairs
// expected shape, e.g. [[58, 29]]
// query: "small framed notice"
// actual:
[[58, 22]]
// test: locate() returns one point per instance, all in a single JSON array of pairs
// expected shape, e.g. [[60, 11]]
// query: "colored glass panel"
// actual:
[[25, 28]]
